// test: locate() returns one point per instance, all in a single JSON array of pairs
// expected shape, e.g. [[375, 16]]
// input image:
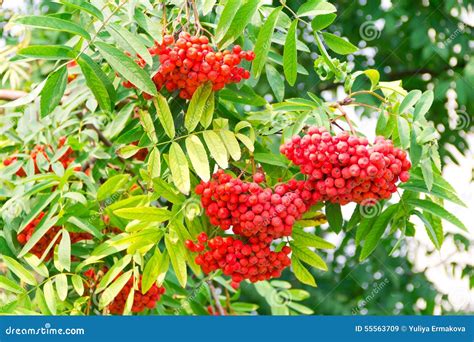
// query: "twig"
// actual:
[[11, 94], [215, 296], [343, 112]]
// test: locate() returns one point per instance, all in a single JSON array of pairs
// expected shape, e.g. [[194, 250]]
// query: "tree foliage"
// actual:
[[110, 170]]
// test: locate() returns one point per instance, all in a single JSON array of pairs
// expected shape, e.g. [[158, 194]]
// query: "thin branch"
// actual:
[[11, 94], [215, 296], [343, 112]]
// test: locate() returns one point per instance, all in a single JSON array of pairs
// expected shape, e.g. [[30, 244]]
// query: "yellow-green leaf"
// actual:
[[231, 143], [198, 156], [164, 115], [197, 106], [179, 168]]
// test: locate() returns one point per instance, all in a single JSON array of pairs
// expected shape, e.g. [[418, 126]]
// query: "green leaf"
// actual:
[[112, 186], [119, 121], [61, 286], [435, 233], [53, 23], [436, 210], [310, 240], [128, 151], [437, 190], [271, 159], [264, 40], [198, 156], [179, 168], [132, 41], [85, 226], [148, 125], [167, 191], [322, 21], [216, 148], [64, 251], [416, 149], [403, 132], [164, 115], [315, 8], [409, 101], [98, 82], [309, 257], [227, 15], [376, 231], [177, 258], [427, 171], [338, 44], [113, 272], [113, 290], [127, 68], [77, 283], [50, 296], [334, 216], [52, 52], [208, 113], [197, 106], [42, 202], [39, 232], [144, 214], [10, 285], [19, 270], [423, 105], [301, 273], [374, 76], [154, 163], [231, 143], [153, 269], [239, 22], [290, 58], [276, 81], [207, 6], [53, 91], [84, 6]]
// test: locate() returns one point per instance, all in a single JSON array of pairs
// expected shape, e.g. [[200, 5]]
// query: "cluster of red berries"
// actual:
[[66, 159], [190, 61], [140, 301], [256, 214], [43, 243], [253, 260], [345, 168], [251, 210]]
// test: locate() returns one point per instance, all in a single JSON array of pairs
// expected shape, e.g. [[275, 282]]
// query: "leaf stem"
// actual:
[[369, 92]]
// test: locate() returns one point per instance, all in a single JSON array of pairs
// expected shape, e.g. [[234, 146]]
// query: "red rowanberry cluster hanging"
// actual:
[[140, 301], [251, 210], [40, 247], [259, 215], [190, 61], [253, 260], [345, 168], [66, 159]]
